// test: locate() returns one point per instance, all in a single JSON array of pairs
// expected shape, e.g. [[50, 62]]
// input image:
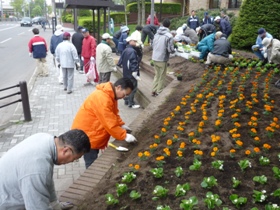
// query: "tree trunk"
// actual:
[[143, 13], [184, 8], [139, 13], [125, 14]]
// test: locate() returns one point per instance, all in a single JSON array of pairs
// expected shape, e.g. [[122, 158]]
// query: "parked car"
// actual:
[[26, 21]]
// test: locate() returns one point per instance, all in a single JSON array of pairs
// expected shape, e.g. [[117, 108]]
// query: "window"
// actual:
[[234, 3], [214, 4]]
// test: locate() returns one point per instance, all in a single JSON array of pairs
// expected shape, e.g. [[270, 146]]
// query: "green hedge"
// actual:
[[118, 17], [255, 14], [167, 8]]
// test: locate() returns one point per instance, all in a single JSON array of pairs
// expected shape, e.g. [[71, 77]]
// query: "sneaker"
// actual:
[[87, 84], [134, 106], [65, 89], [154, 94], [81, 72], [69, 92], [126, 103]]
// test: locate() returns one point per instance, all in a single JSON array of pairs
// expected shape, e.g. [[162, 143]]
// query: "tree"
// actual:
[[143, 12], [255, 14], [18, 5], [37, 11]]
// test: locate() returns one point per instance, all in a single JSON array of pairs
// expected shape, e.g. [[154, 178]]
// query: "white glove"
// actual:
[[82, 58], [115, 69], [92, 58], [126, 128], [130, 138], [55, 205], [265, 55], [30, 54], [134, 74]]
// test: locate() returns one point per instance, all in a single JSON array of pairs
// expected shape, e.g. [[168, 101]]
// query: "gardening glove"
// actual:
[[115, 69], [134, 74], [77, 65], [130, 138], [126, 128], [30, 54], [92, 58], [265, 55], [82, 58]]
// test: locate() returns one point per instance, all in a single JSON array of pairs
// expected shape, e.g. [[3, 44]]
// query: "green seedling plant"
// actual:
[[110, 200], [189, 204], [134, 195], [276, 193], [209, 182], [276, 172], [244, 164], [160, 192], [157, 172], [218, 164], [128, 177], [264, 161], [260, 179], [121, 189], [181, 190], [237, 201], [179, 171], [235, 182], [272, 207], [259, 196], [212, 200], [160, 207], [196, 165]]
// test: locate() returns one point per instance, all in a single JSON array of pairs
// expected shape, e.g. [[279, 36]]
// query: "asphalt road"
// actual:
[[15, 63]]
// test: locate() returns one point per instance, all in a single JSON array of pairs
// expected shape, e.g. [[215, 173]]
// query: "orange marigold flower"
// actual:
[[182, 145], [140, 154], [239, 143], [213, 154], [201, 124], [198, 142], [232, 151], [130, 165], [204, 117], [166, 123], [156, 136], [169, 142], [163, 130], [180, 153], [218, 122], [155, 145], [247, 152], [191, 133], [175, 136], [266, 146], [147, 154], [237, 124], [215, 149], [137, 167], [257, 150], [151, 146], [253, 130], [275, 119], [256, 113], [199, 130], [256, 138], [159, 158], [254, 118]]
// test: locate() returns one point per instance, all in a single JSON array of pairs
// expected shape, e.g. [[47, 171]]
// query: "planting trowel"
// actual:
[[119, 148]]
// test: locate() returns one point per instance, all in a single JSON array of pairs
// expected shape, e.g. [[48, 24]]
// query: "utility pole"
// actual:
[[54, 22], [152, 11]]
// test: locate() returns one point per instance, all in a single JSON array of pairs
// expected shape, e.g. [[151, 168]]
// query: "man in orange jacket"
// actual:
[[99, 117]]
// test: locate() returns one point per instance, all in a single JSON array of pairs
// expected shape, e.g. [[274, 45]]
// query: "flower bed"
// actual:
[[213, 145]]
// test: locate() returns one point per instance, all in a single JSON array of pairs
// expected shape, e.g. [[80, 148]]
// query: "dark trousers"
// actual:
[[116, 41], [104, 77], [90, 157], [145, 34], [81, 62], [130, 98], [139, 52]]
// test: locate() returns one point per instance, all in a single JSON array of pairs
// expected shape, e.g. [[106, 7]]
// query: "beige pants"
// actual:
[[160, 74], [42, 68], [218, 59]]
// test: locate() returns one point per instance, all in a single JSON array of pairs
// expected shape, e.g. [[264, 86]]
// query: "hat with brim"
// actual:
[[66, 35], [131, 38], [266, 42], [261, 31], [125, 28], [217, 18], [84, 30], [107, 36]]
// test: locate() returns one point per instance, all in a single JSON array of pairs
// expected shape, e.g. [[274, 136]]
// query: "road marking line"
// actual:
[[21, 33], [5, 40], [7, 28]]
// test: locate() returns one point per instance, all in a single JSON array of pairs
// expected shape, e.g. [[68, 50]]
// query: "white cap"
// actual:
[[217, 18], [266, 42], [197, 29], [107, 36], [59, 28], [128, 39], [125, 28]]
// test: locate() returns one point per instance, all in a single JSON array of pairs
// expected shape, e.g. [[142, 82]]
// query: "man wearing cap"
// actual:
[[77, 40], [130, 65], [88, 51], [38, 48], [193, 21], [271, 47], [224, 16], [104, 59], [57, 38], [225, 26], [206, 45], [207, 19], [122, 39], [205, 30], [258, 47], [163, 45], [66, 55], [150, 31]]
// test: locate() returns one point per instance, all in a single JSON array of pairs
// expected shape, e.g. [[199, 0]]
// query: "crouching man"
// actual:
[[221, 52]]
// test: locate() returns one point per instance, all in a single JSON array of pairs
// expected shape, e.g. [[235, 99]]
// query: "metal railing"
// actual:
[[24, 99]]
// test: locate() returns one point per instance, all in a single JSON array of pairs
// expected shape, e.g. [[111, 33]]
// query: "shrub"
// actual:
[[167, 8], [254, 15], [84, 12]]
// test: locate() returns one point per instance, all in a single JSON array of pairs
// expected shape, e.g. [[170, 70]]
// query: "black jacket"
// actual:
[[118, 34], [129, 62], [222, 47], [193, 22], [77, 40], [150, 28], [208, 28]]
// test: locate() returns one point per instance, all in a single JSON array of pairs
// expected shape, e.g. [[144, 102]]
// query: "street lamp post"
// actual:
[[1, 10]]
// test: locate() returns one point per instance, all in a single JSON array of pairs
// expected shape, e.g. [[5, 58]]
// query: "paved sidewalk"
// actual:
[[52, 111]]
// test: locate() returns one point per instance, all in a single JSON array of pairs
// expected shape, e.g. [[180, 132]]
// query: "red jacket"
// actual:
[[156, 23], [89, 47], [99, 117]]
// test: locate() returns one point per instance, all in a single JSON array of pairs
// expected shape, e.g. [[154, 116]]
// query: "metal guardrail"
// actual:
[[24, 99]]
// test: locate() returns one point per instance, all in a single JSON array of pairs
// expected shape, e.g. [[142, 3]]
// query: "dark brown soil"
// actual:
[[193, 83]]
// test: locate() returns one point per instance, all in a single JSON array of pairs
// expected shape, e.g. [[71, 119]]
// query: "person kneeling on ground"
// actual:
[[272, 50], [191, 34], [130, 64], [206, 45], [258, 47], [221, 52], [26, 170], [99, 117]]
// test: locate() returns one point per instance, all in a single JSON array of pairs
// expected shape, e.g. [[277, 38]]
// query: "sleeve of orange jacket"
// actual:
[[93, 48], [107, 116]]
